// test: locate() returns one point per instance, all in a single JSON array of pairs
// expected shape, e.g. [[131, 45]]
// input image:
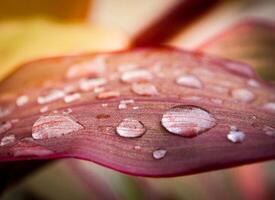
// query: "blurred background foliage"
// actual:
[[33, 29]]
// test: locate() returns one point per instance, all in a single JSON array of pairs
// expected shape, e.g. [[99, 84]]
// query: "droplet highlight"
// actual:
[[235, 135]]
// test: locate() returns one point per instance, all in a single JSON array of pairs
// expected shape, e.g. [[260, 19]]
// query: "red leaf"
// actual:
[[199, 98], [251, 41]]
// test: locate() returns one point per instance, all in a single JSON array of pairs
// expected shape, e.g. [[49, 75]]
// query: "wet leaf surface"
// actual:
[[178, 130]]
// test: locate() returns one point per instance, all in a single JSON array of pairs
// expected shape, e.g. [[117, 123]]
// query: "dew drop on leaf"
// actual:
[[130, 128], [144, 89], [159, 154], [187, 120], [243, 95], [189, 80], [22, 100], [235, 135], [270, 107], [138, 75], [108, 95], [268, 130], [54, 125], [72, 97]]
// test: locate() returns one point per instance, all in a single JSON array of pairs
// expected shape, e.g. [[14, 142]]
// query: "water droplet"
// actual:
[[72, 97], [189, 81], [5, 126], [67, 111], [4, 111], [243, 95], [139, 75], [7, 140], [104, 105], [89, 84], [135, 107], [130, 128], [54, 125], [95, 67], [99, 90], [137, 147], [44, 109], [32, 151], [236, 136], [187, 120], [22, 100], [52, 96], [159, 154], [123, 103], [108, 95], [270, 107], [253, 83], [145, 89], [268, 130]]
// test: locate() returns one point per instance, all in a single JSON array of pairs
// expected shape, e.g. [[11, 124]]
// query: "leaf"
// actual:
[[251, 41], [148, 112]]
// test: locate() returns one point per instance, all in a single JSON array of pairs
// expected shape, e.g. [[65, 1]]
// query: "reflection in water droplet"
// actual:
[[22, 100], [7, 140], [72, 97], [89, 84], [268, 130], [138, 75], [270, 107], [187, 120], [108, 95], [159, 154], [52, 96], [5, 126], [243, 95], [54, 125], [189, 81], [145, 89], [130, 128], [235, 135]]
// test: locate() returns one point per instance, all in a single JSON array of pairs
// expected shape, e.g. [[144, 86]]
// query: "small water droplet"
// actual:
[[104, 105], [123, 103], [7, 140], [217, 101], [67, 111], [189, 81], [236, 136], [268, 130], [108, 95], [159, 154], [243, 95], [139, 75], [89, 84], [94, 67], [31, 151], [51, 96], [253, 83], [22, 100], [54, 125], [130, 128], [44, 109], [99, 90], [187, 120], [122, 106], [135, 107], [145, 89], [72, 97], [5, 126], [4, 111], [270, 107], [137, 147]]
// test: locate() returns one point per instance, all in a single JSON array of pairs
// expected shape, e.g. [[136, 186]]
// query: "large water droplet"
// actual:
[[8, 139], [54, 125], [268, 130], [138, 75], [187, 120], [22, 100], [189, 81], [130, 128], [235, 135], [5, 126], [159, 154], [243, 95], [145, 89]]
